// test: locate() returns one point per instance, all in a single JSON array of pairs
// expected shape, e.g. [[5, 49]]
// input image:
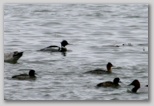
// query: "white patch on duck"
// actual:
[[54, 48], [12, 57]]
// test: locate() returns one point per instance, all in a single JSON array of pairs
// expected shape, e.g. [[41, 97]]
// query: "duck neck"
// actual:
[[63, 46], [32, 75], [135, 89], [109, 69], [62, 49], [116, 83]]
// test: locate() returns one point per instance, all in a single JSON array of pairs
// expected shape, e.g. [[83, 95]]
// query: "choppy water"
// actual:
[[93, 30]]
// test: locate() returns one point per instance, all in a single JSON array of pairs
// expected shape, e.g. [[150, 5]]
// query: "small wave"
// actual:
[[96, 15], [117, 68], [24, 69], [50, 23], [42, 11], [130, 16], [143, 44]]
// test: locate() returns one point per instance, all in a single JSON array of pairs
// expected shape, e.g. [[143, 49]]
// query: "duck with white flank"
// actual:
[[54, 48], [136, 85]]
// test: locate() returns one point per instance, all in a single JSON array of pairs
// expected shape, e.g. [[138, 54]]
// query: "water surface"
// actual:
[[94, 30]]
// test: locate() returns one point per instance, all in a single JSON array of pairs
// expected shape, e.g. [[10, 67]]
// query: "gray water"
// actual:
[[93, 30]]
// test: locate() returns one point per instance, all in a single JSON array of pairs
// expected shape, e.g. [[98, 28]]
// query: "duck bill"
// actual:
[[69, 44], [21, 53], [120, 82]]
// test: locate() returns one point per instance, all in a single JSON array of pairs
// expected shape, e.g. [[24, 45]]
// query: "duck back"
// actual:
[[52, 48], [98, 71], [23, 77]]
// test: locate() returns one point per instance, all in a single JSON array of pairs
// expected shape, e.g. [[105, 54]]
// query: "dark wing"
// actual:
[[52, 48], [21, 76]]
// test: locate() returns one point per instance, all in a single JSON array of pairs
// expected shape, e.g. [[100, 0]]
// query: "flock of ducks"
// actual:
[[15, 56]]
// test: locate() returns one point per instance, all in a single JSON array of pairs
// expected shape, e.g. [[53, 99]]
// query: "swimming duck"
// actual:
[[12, 57], [29, 76], [101, 71], [54, 48], [136, 85], [115, 83]]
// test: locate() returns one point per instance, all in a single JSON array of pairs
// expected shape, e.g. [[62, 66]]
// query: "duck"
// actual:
[[54, 48], [136, 85], [113, 84], [29, 76], [12, 57], [101, 71]]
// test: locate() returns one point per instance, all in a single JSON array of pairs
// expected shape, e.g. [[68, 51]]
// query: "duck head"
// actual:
[[116, 80], [17, 54], [32, 73], [136, 85], [64, 43], [109, 65]]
